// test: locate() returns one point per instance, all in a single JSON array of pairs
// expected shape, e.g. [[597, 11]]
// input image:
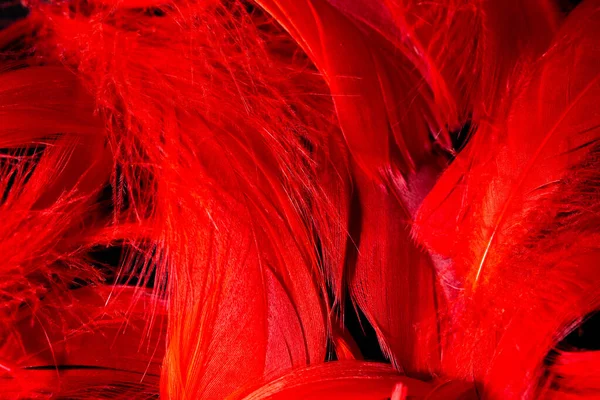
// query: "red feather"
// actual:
[[491, 185], [262, 164], [393, 282], [339, 380], [373, 85], [89, 343], [519, 220]]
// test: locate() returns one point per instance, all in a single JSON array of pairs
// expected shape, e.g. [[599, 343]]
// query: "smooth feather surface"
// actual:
[[195, 196], [483, 195], [92, 340], [524, 264], [339, 380]]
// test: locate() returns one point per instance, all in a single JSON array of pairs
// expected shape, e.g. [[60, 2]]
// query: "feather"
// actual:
[[458, 390], [260, 161], [484, 194], [238, 256], [376, 89], [361, 70], [54, 96], [574, 374], [338, 380], [45, 208], [467, 51], [554, 272], [514, 203], [332, 224], [344, 345], [93, 341], [528, 264], [209, 172], [393, 282]]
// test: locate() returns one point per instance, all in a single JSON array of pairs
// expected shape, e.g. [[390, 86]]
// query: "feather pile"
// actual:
[[300, 199]]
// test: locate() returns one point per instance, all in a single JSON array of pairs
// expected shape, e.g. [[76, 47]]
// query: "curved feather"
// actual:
[[482, 198], [93, 342], [374, 87], [574, 374], [39, 102], [466, 50], [339, 380], [221, 176], [541, 290], [394, 283]]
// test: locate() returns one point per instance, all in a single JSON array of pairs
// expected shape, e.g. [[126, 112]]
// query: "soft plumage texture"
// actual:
[[88, 343], [339, 380], [469, 52], [493, 184], [219, 179], [196, 193], [574, 374], [360, 66], [523, 216], [47, 185], [393, 282], [555, 275]]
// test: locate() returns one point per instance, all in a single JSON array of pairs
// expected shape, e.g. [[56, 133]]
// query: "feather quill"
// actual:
[[526, 261], [550, 127]]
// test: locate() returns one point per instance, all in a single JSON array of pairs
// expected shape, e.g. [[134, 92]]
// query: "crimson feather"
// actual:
[[92, 342], [339, 380], [263, 164], [522, 267]]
